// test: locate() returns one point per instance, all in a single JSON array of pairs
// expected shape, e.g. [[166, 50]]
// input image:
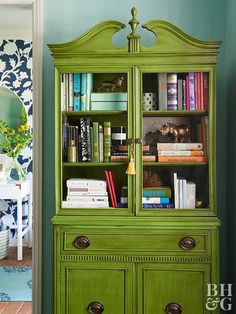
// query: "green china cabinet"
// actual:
[[135, 226]]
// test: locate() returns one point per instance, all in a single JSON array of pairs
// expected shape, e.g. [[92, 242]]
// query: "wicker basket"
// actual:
[[4, 242]]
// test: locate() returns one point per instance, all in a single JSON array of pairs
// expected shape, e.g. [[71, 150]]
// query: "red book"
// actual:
[[109, 188], [187, 93], [113, 188], [205, 90]]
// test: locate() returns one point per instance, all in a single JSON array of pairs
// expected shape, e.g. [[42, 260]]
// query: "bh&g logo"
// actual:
[[219, 296]]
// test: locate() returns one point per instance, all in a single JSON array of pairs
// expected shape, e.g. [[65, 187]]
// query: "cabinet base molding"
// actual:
[[120, 258]]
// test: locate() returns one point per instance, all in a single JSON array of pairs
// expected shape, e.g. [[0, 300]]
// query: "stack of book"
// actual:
[[86, 193], [120, 153], [183, 91], [184, 193], [76, 90], [157, 197], [92, 139], [181, 152], [109, 101]]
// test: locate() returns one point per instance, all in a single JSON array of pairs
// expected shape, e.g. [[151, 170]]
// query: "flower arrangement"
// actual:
[[14, 141]]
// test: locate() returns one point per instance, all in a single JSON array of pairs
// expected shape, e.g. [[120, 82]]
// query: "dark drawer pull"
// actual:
[[187, 243], [95, 308], [81, 242], [173, 308]]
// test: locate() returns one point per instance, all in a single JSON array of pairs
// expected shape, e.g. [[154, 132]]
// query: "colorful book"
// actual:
[[70, 92], [101, 143], [95, 143], [107, 140], [162, 91], [85, 143], [172, 99], [89, 89], [77, 87], [83, 91], [180, 153], [157, 192], [153, 206], [205, 90], [191, 91], [182, 158], [155, 200], [113, 187], [179, 146]]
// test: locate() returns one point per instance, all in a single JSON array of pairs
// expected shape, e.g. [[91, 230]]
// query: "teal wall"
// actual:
[[230, 104], [68, 19]]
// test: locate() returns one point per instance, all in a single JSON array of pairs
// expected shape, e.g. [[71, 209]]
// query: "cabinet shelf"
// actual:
[[162, 164], [94, 113], [93, 164], [174, 113]]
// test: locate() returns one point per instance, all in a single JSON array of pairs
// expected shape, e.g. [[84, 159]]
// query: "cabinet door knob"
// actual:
[[95, 308], [187, 243], [173, 308], [81, 242]]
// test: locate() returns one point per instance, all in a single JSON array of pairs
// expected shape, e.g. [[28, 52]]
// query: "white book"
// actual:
[[77, 204], [180, 193], [184, 193], [87, 198], [190, 194], [84, 182], [179, 146], [86, 191], [176, 190]]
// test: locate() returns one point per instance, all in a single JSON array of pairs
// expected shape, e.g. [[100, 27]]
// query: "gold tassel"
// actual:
[[131, 167]]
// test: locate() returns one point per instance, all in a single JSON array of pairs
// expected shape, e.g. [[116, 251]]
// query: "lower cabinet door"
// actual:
[[91, 287], [172, 288]]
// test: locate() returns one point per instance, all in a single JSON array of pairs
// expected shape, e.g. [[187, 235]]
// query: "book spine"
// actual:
[[66, 91], [187, 92], [180, 153], [157, 193], [101, 143], [176, 190], [113, 188], [205, 90], [155, 200], [78, 204], [95, 142], [184, 94], [191, 91], [63, 95], [180, 94], [149, 158], [184, 192], [162, 91], [182, 159], [83, 91], [108, 180], [172, 100], [107, 141], [179, 146], [149, 206], [122, 158], [89, 88], [77, 87], [190, 194], [109, 105], [86, 183], [87, 198], [70, 92], [84, 140]]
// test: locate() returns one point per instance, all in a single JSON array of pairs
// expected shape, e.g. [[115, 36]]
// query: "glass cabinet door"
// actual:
[[94, 110], [175, 125]]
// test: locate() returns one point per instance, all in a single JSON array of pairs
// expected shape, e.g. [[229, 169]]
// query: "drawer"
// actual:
[[168, 241]]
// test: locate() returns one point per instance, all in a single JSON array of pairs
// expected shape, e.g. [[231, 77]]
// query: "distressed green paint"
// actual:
[[124, 244]]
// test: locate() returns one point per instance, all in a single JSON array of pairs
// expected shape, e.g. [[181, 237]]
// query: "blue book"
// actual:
[[89, 88], [77, 96], [83, 91], [155, 200]]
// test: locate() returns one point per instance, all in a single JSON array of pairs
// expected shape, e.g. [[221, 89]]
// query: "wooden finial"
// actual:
[[133, 23], [133, 37]]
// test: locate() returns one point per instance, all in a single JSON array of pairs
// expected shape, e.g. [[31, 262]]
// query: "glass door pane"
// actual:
[[175, 151]]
